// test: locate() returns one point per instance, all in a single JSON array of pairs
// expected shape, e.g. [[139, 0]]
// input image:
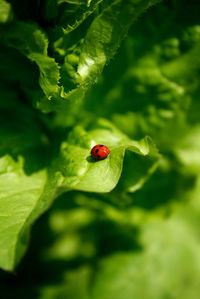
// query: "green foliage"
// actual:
[[79, 73], [5, 11], [19, 194]]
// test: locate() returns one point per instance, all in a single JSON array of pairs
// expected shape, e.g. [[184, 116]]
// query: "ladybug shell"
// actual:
[[100, 152]]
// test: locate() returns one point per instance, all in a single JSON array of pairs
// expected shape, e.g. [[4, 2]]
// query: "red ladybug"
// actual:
[[100, 152]]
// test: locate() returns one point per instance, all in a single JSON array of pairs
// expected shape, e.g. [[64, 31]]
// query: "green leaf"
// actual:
[[19, 194], [99, 45], [104, 37], [70, 22], [108, 29], [90, 176], [139, 168], [33, 43], [80, 172], [23, 177]]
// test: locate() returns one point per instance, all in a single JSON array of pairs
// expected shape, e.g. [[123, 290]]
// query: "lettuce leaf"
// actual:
[[31, 178], [79, 171], [19, 194], [106, 30]]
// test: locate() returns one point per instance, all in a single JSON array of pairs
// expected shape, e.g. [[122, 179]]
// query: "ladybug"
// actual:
[[100, 152]]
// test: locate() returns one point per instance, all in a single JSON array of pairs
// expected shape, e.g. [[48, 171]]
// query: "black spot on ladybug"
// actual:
[[101, 145], [96, 151]]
